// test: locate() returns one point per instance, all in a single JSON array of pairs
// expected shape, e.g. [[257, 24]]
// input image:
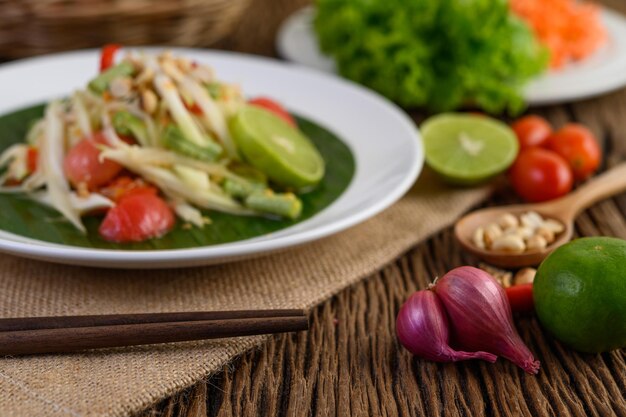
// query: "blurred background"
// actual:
[[35, 27]]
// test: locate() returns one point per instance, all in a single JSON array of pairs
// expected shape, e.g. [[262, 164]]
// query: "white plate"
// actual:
[[600, 73], [384, 141]]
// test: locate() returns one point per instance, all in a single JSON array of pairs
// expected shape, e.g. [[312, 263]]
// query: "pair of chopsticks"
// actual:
[[31, 335]]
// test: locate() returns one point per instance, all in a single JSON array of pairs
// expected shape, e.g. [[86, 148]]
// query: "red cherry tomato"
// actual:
[[531, 131], [579, 147], [274, 107], [32, 157], [521, 298], [123, 186], [107, 56], [539, 174], [82, 164], [137, 217]]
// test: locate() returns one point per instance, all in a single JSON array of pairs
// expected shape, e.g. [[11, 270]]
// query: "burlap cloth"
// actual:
[[118, 382]]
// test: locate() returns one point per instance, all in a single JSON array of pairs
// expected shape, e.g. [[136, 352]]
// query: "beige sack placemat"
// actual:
[[118, 382]]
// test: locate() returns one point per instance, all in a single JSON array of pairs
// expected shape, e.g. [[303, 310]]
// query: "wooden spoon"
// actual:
[[564, 209]]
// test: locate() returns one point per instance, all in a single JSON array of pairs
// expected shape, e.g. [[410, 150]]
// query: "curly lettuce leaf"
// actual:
[[436, 54]]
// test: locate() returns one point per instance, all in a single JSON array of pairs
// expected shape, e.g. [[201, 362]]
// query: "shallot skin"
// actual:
[[422, 327], [481, 316]]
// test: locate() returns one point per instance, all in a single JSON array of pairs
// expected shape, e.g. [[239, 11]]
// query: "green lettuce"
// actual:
[[435, 54]]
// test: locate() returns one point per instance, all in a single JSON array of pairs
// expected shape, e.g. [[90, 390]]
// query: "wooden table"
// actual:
[[350, 363]]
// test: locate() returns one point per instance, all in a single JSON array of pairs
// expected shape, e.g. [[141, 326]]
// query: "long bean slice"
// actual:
[[284, 205]]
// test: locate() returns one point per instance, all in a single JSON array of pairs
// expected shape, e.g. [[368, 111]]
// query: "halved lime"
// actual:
[[276, 148], [468, 149]]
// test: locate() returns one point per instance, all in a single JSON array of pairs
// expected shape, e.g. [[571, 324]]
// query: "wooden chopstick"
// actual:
[[70, 339], [59, 322]]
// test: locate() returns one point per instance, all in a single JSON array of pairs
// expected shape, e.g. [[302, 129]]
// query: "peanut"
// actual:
[[492, 232], [479, 238], [556, 226], [545, 233], [530, 228], [536, 242], [509, 243], [524, 276], [149, 101], [531, 220], [507, 221]]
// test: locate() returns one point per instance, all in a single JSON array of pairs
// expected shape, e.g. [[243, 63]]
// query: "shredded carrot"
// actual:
[[570, 29]]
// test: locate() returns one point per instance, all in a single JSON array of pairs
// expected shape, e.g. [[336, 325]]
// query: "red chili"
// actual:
[[521, 298], [107, 57], [31, 159]]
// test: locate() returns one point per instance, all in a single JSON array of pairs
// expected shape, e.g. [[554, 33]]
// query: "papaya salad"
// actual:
[[154, 139]]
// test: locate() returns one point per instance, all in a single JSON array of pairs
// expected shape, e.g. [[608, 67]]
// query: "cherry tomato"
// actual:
[[539, 174], [82, 164], [137, 217], [274, 107], [521, 298], [123, 186], [579, 147], [32, 157], [107, 56], [531, 131]]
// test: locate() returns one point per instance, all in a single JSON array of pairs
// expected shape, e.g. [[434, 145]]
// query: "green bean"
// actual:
[[173, 138], [284, 205], [100, 84]]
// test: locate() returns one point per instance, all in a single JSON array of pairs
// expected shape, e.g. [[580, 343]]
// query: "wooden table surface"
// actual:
[[350, 362]]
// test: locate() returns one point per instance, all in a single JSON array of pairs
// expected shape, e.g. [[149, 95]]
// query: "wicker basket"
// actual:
[[33, 27]]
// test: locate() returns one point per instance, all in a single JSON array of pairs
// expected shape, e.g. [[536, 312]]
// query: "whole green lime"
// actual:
[[580, 294]]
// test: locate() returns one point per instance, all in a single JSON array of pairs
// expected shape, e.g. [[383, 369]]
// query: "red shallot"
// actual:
[[481, 317], [422, 327]]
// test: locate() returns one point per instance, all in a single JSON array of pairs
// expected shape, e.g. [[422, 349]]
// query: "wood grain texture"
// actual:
[[350, 363]]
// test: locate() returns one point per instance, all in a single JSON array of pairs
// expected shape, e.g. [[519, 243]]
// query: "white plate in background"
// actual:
[[600, 73]]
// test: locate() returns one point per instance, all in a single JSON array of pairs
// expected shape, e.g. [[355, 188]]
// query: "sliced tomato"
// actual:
[[107, 56], [82, 164], [274, 107], [32, 156], [137, 217], [521, 298], [124, 186]]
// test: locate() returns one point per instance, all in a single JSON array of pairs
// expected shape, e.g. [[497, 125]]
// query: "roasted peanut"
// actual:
[[149, 101], [509, 243], [507, 221], [531, 220], [545, 233], [534, 231], [145, 77], [553, 225], [524, 276], [536, 242], [479, 237], [492, 232]]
